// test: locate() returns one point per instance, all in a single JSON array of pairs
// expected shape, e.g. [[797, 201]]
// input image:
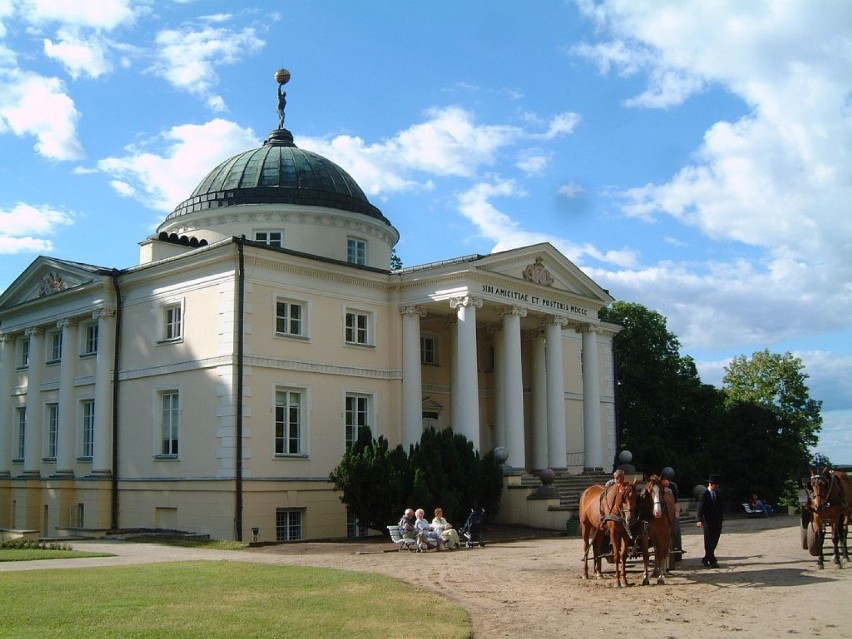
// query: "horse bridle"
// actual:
[[819, 480]]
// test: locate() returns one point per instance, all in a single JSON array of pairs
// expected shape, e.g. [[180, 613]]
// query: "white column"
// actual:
[[7, 379], [102, 458], [466, 404], [67, 414], [557, 446], [499, 382], [591, 399], [539, 403], [513, 386], [412, 386], [33, 426]]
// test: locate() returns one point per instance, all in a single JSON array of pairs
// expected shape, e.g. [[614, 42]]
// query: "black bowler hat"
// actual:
[[713, 479]]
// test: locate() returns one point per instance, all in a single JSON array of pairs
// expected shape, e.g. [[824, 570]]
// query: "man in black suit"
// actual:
[[709, 515]]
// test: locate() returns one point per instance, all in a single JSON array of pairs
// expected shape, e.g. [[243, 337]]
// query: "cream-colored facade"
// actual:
[[214, 386]]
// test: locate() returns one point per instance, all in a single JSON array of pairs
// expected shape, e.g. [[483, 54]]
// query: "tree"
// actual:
[[443, 469], [395, 260], [661, 405], [777, 384]]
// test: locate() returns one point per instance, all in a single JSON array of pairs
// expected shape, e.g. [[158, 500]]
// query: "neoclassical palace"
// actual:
[[212, 387]]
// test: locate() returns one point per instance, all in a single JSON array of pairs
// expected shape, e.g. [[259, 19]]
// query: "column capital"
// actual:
[[557, 320], [103, 313], [466, 300], [413, 309], [33, 331], [67, 322], [6, 337], [512, 310], [592, 327]]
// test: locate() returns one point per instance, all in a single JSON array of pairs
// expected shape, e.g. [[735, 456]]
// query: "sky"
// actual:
[[695, 158]]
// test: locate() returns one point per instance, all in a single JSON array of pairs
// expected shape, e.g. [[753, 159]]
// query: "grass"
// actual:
[[220, 599]]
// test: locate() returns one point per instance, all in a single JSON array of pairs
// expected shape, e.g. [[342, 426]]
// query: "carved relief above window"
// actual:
[[538, 274], [52, 283]]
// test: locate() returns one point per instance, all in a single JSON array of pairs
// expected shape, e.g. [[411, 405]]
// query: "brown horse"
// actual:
[[655, 512], [831, 505], [607, 508]]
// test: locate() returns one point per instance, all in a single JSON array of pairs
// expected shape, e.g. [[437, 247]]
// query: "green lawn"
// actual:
[[220, 599], [32, 554]]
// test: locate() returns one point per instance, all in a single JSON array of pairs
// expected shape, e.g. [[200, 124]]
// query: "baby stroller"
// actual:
[[472, 529]]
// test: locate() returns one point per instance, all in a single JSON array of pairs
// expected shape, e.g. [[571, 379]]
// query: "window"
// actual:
[[428, 349], [170, 402], [22, 430], [289, 318], [270, 238], [288, 422], [356, 251], [357, 416], [90, 338], [55, 342], [52, 430], [354, 529], [173, 325], [288, 525], [357, 328], [24, 360], [87, 439]]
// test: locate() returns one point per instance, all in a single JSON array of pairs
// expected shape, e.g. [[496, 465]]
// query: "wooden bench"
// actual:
[[403, 543], [753, 512]]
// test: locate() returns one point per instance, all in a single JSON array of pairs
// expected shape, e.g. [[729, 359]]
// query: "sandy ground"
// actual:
[[766, 585]]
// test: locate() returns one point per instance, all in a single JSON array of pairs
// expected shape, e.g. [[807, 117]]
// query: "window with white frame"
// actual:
[[24, 355], [172, 322], [169, 423], [288, 524], [290, 318], [52, 438], [288, 421], [21, 416], [358, 329], [90, 338], [270, 238], [55, 346], [354, 529], [87, 428], [356, 251], [428, 349], [357, 411]]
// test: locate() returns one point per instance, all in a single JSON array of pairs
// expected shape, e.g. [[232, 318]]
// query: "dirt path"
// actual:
[[766, 586]]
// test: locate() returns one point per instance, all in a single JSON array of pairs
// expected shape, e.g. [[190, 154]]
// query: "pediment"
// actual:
[[541, 265], [48, 276]]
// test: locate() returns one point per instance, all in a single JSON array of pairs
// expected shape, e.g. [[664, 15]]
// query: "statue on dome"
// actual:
[[282, 77]]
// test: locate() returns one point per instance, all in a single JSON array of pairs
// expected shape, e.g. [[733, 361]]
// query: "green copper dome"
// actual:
[[278, 173]]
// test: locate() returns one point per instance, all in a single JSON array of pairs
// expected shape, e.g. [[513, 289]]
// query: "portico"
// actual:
[[515, 356]]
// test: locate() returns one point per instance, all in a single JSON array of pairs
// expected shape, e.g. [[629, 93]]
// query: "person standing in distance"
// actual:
[[709, 516]]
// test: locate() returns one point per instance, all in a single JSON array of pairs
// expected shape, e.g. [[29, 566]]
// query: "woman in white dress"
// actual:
[[446, 530]]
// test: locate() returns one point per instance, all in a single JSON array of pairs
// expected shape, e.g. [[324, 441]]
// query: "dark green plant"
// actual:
[[442, 469]]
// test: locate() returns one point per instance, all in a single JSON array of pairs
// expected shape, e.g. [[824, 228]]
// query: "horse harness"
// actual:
[[834, 486]]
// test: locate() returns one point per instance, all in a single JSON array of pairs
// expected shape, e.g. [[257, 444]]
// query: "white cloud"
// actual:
[[22, 228], [103, 14], [35, 105], [187, 58], [448, 143], [162, 178], [774, 186], [80, 55]]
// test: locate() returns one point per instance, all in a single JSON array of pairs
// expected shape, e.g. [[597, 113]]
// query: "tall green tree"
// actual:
[[662, 407], [777, 383]]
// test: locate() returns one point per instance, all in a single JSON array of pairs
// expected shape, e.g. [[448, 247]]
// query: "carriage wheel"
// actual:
[[814, 539], [804, 530]]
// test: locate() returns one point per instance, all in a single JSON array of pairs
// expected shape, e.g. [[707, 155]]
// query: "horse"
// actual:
[[831, 505], [611, 508], [655, 516]]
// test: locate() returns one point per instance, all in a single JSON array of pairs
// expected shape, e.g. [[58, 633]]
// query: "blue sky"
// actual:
[[691, 157]]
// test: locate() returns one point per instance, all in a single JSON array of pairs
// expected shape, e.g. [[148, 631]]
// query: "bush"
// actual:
[[443, 469]]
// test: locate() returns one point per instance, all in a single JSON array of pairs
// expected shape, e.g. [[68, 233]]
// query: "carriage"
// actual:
[[826, 503]]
